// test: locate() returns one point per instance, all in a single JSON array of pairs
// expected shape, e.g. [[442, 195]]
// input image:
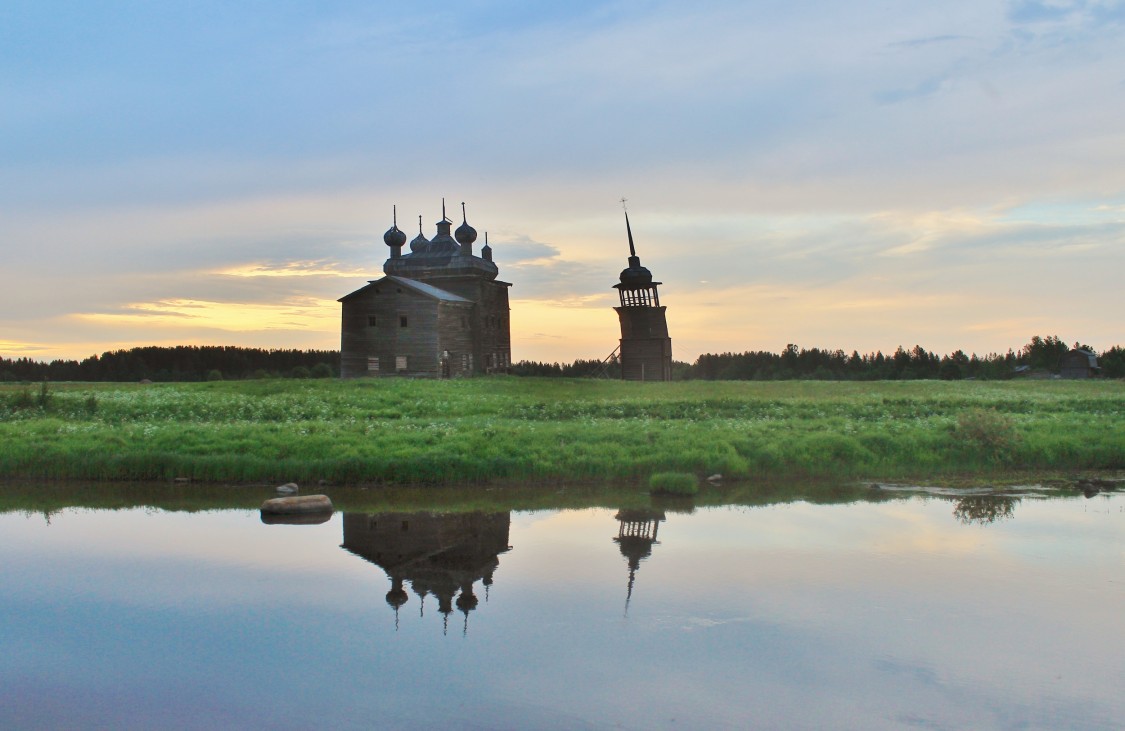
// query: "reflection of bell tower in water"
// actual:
[[646, 349], [442, 555], [636, 536]]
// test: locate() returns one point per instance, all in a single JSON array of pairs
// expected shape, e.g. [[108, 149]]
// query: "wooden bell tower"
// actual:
[[646, 348]]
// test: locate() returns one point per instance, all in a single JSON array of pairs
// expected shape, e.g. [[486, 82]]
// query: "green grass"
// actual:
[[516, 430], [674, 483]]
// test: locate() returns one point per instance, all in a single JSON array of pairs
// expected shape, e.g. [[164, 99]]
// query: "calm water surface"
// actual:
[[921, 612]]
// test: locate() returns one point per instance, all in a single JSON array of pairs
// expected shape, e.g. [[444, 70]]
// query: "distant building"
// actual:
[[646, 349], [439, 312], [1079, 363]]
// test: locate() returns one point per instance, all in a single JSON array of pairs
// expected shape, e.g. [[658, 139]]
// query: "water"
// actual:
[[919, 612]]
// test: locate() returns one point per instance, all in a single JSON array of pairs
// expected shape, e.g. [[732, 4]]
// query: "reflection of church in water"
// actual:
[[442, 555], [445, 555]]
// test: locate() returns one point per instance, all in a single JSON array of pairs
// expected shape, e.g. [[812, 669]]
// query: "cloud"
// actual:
[[289, 269], [930, 40], [522, 250], [304, 314], [923, 88]]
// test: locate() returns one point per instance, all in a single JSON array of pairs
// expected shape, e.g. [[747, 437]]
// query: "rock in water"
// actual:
[[289, 488], [297, 505]]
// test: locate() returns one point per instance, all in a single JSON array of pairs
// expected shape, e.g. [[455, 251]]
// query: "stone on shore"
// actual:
[[298, 505]]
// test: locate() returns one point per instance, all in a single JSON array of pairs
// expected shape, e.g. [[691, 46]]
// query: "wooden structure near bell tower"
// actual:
[[646, 348]]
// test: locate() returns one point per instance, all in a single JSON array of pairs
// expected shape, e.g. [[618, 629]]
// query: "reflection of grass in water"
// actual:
[[488, 429], [50, 497]]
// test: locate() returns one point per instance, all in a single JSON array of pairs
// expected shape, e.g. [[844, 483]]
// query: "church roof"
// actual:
[[426, 290]]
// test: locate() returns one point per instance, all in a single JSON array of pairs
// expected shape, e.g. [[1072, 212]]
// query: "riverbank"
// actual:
[[50, 497], [502, 429]]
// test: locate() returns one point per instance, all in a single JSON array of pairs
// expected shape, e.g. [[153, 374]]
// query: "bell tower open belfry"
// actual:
[[646, 349]]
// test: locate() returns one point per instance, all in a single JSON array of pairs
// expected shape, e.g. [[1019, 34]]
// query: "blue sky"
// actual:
[[841, 176]]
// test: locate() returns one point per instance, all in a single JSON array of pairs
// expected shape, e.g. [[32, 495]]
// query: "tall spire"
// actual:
[[629, 229]]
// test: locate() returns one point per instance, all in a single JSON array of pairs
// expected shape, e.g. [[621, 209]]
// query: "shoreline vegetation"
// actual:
[[504, 430]]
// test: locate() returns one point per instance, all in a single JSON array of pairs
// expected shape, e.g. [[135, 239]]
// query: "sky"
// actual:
[[855, 175]]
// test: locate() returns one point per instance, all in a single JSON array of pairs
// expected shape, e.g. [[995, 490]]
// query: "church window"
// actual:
[[372, 321], [400, 362], [402, 320], [373, 365]]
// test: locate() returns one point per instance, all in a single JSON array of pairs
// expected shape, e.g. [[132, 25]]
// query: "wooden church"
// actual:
[[440, 311]]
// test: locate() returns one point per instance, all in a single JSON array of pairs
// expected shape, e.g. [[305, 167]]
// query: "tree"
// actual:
[[1044, 353]]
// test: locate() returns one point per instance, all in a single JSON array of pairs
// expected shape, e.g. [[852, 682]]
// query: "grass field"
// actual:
[[526, 429]]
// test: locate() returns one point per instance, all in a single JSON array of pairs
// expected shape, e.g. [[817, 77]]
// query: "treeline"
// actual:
[[1040, 356], [578, 369], [179, 363], [202, 362]]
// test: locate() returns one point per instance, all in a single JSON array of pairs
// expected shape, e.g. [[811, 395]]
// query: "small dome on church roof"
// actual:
[[465, 234], [394, 237], [420, 242]]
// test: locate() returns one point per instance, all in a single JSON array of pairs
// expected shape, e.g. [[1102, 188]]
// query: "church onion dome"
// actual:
[[443, 243], [420, 242], [465, 234], [394, 236]]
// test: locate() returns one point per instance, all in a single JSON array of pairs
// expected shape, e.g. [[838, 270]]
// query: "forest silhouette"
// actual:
[[1039, 357]]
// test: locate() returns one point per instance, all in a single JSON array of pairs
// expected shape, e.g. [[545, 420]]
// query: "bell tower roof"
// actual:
[[634, 276]]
